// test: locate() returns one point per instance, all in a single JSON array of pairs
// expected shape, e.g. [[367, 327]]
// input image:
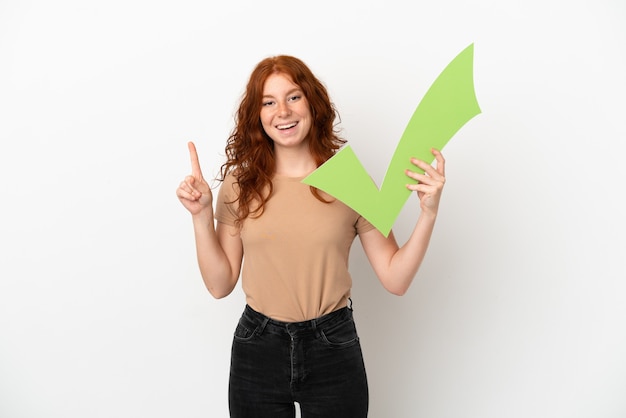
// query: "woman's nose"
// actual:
[[283, 109]]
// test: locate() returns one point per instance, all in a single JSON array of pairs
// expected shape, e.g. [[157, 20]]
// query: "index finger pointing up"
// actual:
[[195, 164]]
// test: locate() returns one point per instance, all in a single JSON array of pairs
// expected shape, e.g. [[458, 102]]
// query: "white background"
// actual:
[[519, 308]]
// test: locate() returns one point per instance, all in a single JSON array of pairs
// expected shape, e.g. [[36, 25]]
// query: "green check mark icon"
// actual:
[[449, 103]]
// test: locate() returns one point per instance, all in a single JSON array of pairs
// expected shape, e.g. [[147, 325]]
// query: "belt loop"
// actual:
[[350, 303], [263, 325], [314, 327]]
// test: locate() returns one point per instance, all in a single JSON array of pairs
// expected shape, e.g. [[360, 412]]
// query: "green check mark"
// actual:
[[449, 103]]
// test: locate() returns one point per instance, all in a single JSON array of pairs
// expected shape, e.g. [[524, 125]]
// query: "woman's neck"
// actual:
[[294, 164]]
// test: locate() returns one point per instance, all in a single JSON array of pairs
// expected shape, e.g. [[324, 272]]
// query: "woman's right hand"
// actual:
[[194, 192]]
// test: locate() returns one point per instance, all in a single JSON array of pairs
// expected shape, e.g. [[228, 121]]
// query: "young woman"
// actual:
[[296, 340]]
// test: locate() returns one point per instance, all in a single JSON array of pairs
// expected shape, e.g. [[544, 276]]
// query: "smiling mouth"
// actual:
[[286, 126]]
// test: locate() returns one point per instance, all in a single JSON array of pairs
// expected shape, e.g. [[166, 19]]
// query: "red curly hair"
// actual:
[[250, 151]]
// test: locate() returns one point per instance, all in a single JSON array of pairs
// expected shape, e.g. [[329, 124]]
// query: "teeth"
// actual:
[[291, 125]]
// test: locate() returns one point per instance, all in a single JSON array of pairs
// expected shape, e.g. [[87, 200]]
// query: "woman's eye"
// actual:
[[268, 103], [294, 98]]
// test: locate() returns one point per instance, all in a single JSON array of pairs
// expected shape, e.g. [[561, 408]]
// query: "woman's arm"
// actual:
[[397, 266], [218, 248], [219, 252]]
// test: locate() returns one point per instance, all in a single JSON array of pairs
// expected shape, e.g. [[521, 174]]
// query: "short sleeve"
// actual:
[[363, 225], [226, 206]]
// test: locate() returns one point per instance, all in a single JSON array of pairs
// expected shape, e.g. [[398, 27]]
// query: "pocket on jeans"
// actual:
[[340, 335], [244, 333]]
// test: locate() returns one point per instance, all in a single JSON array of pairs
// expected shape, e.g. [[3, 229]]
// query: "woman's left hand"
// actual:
[[430, 184]]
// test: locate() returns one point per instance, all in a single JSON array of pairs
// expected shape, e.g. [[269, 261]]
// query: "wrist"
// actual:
[[428, 215], [204, 217]]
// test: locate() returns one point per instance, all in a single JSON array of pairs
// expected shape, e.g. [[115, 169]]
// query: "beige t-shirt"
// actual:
[[295, 263]]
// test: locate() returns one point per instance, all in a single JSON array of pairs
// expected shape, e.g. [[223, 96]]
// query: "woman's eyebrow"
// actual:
[[294, 90]]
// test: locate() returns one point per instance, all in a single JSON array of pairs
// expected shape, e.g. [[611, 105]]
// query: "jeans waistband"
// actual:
[[293, 328]]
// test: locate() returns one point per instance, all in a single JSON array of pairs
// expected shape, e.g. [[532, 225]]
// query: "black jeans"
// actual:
[[317, 363]]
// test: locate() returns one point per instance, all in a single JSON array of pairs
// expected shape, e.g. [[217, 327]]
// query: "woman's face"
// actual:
[[285, 113]]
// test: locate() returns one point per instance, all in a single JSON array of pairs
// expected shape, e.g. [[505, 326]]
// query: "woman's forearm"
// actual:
[[406, 262], [215, 267]]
